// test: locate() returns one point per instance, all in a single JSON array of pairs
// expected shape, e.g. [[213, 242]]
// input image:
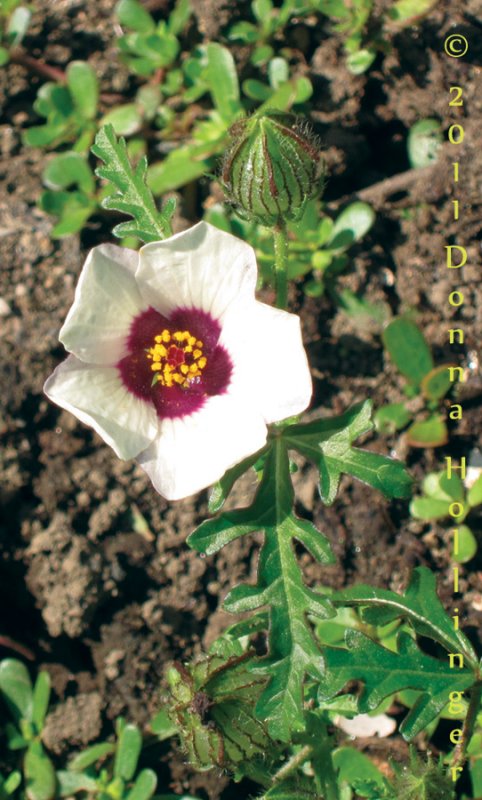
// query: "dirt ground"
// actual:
[[97, 584]]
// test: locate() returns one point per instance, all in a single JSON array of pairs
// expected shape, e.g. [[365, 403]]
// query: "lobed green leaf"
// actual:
[[292, 649], [328, 442], [419, 605], [384, 673], [132, 196]]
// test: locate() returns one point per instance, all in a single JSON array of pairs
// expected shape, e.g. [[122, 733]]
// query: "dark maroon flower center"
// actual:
[[176, 362]]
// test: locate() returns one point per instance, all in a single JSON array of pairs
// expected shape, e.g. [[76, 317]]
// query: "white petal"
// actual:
[[97, 396], [271, 366], [201, 267], [106, 301], [363, 725], [194, 452]]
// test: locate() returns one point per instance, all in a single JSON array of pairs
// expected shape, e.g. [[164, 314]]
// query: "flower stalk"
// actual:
[[281, 266]]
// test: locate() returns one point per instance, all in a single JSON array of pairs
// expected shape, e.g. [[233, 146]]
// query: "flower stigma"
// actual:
[[177, 358]]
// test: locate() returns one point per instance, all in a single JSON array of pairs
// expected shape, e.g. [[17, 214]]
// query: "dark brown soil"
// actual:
[[96, 581]]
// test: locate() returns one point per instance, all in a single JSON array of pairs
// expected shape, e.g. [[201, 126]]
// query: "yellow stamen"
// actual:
[[176, 358]]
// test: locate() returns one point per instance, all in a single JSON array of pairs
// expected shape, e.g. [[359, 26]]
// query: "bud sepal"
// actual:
[[272, 168]]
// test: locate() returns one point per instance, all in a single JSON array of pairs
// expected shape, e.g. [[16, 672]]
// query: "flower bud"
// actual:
[[272, 167]]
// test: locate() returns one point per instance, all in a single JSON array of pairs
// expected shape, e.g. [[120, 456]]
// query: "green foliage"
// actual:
[[384, 673], [14, 22], [131, 195], [150, 47], [438, 492], [72, 206], [419, 606], [69, 110], [108, 770], [27, 705], [424, 142], [318, 245], [364, 29], [367, 31], [411, 354], [212, 704], [293, 652], [272, 168], [422, 780], [328, 442], [10, 784]]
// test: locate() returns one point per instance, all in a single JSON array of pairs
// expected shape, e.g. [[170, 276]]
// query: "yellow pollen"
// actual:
[[176, 358]]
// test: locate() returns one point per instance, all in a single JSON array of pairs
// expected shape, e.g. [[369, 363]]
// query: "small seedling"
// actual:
[[28, 707], [411, 354], [438, 494], [110, 770], [69, 108], [14, 22]]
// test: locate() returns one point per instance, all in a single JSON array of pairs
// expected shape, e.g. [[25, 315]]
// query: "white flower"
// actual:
[[173, 360]]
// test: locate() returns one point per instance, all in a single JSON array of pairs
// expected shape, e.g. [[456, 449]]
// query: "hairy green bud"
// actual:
[[272, 167], [212, 705], [422, 780]]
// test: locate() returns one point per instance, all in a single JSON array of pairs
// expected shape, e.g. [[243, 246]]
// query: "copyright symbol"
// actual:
[[456, 45]]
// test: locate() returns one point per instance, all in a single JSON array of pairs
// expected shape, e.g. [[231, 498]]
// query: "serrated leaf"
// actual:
[[328, 442], [419, 605], [132, 196], [292, 649], [222, 488], [16, 688], [384, 672]]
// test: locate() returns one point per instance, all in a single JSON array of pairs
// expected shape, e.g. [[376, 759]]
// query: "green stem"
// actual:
[[293, 763], [281, 266], [460, 753]]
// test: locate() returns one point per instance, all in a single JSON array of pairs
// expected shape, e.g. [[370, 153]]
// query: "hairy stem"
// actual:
[[293, 763], [460, 753], [281, 266]]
